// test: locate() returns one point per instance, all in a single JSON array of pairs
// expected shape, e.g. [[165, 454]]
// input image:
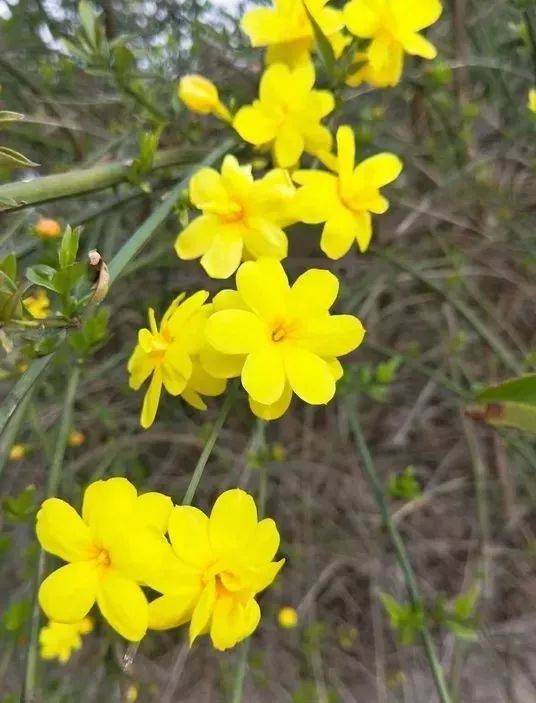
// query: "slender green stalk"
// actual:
[[21, 388], [133, 245], [7, 438], [21, 194], [29, 694], [238, 687], [531, 31], [209, 446], [401, 554]]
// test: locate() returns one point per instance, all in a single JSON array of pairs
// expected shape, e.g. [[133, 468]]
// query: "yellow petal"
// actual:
[[189, 535], [203, 611], [362, 17], [62, 532], [68, 594], [336, 368], [275, 410], [103, 500], [151, 400], [345, 151], [140, 367], [309, 376], [205, 384], [265, 542], [263, 238], [417, 14], [363, 230], [417, 45], [253, 281], [233, 522], [232, 622], [169, 611], [236, 331], [197, 237], [379, 170], [288, 146], [225, 253], [260, 24], [194, 399], [333, 335], [207, 192], [124, 605], [263, 375], [314, 292], [154, 510], [254, 126], [237, 179], [265, 575], [338, 234], [221, 365]]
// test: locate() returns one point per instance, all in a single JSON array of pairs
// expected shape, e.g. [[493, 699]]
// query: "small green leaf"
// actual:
[[21, 507], [14, 159], [323, 44], [520, 390], [8, 266], [465, 604], [508, 404], [42, 275], [7, 116], [68, 247], [88, 19]]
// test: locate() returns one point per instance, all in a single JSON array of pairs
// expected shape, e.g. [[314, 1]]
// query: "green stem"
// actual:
[[21, 388], [9, 435], [45, 323], [54, 476], [133, 245], [401, 555], [21, 194], [240, 677], [531, 31], [209, 446]]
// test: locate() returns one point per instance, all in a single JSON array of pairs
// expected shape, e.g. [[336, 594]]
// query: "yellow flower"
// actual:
[[242, 218], [223, 561], [284, 337], [38, 305], [393, 27], [114, 547], [201, 95], [59, 640], [47, 228], [346, 199], [76, 438], [287, 115], [287, 31], [287, 617], [532, 100], [18, 452], [167, 352]]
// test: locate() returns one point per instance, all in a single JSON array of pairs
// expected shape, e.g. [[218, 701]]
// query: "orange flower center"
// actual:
[[103, 558]]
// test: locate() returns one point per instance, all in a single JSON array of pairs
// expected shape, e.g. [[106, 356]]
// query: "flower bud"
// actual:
[[47, 228], [287, 618], [201, 95]]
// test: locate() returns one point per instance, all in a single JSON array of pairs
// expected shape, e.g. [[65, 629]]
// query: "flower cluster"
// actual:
[[279, 339], [208, 569]]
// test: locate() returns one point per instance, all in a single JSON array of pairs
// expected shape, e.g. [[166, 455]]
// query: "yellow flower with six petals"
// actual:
[[168, 353], [344, 200], [287, 31], [285, 336], [115, 547], [287, 116], [241, 217], [222, 562], [59, 640], [393, 27]]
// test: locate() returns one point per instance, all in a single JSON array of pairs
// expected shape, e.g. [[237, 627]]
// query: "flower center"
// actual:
[[103, 558], [279, 333]]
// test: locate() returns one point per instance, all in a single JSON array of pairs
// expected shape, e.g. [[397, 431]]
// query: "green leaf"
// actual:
[[7, 116], [14, 159], [123, 61], [21, 507], [88, 19], [69, 247], [508, 404], [465, 604], [16, 616], [462, 632], [66, 278], [8, 266], [323, 44], [42, 275]]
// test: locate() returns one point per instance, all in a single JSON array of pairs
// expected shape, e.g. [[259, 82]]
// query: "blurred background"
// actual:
[[447, 294]]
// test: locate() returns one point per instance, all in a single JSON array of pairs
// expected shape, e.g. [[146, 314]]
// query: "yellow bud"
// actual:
[[47, 228], [201, 95], [76, 438], [278, 451], [287, 617], [17, 452], [532, 100], [132, 693], [38, 305]]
